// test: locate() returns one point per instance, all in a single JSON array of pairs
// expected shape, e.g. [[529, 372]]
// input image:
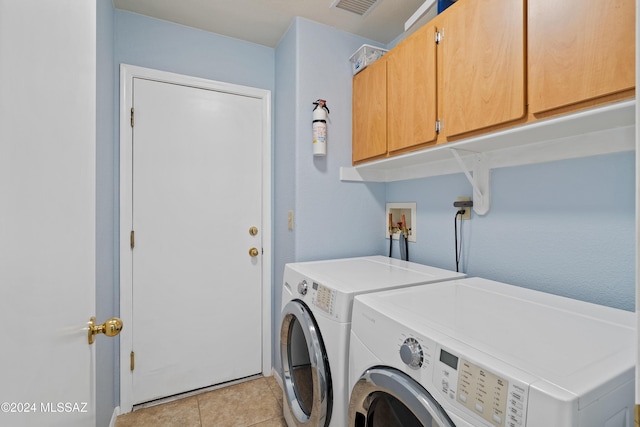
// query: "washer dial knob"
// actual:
[[302, 287], [411, 353]]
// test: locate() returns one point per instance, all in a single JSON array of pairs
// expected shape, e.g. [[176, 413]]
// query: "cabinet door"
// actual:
[[369, 131], [411, 91], [579, 50], [483, 64]]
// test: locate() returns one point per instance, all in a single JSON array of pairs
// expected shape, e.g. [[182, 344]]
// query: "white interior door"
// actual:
[[47, 212], [197, 302]]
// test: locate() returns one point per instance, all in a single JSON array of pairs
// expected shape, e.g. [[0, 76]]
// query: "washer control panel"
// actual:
[[500, 402], [324, 298]]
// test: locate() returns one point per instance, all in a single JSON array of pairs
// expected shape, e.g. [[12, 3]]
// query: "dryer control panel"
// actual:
[[323, 297], [500, 402]]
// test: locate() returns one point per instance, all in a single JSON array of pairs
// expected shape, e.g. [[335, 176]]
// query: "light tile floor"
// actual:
[[255, 403]]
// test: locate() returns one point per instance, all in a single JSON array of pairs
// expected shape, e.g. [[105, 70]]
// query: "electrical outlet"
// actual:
[[467, 210]]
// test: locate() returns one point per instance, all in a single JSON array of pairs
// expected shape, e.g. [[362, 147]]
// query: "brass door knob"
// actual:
[[254, 252], [110, 328]]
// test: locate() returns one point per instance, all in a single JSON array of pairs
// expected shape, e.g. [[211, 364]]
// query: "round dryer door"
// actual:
[[305, 371], [385, 397]]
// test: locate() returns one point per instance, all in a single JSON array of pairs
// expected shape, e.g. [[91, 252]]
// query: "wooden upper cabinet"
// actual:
[[498, 63], [411, 91], [579, 50], [482, 63], [369, 109]]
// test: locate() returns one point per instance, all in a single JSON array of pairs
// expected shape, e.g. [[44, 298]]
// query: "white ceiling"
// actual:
[[266, 21]]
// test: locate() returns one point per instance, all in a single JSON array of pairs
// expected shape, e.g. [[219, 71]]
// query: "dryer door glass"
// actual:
[[300, 364], [305, 369]]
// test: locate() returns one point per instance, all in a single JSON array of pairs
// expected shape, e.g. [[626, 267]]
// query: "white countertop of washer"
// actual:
[[572, 344]]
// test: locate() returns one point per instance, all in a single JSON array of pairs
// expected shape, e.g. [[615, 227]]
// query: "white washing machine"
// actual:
[[478, 353], [316, 319]]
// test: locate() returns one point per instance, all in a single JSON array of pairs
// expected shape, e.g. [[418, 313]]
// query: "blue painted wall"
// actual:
[[565, 227], [107, 289], [284, 167], [333, 219], [153, 43]]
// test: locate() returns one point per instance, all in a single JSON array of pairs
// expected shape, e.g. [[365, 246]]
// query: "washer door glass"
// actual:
[[385, 397], [305, 371], [387, 411]]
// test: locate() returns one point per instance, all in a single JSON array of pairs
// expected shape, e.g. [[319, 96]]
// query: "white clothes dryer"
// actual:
[[317, 298], [478, 353]]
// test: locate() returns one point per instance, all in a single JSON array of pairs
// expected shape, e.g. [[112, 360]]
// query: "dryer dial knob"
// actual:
[[411, 353], [302, 287]]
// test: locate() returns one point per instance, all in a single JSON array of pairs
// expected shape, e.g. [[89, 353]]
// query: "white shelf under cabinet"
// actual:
[[602, 130]]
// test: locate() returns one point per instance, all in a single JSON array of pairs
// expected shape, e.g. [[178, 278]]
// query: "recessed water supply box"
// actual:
[[394, 224]]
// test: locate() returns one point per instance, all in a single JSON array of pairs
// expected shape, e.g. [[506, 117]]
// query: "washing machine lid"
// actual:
[[366, 274], [572, 344]]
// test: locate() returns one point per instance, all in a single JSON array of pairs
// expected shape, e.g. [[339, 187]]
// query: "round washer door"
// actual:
[[390, 398], [305, 369]]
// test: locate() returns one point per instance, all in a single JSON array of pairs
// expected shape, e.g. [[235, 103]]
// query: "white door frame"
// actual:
[[127, 74]]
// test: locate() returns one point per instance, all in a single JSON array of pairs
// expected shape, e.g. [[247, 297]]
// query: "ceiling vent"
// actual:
[[359, 7]]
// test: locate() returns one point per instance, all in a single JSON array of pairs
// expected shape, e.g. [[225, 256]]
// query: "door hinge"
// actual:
[[132, 358], [438, 126], [132, 111], [132, 239], [438, 37]]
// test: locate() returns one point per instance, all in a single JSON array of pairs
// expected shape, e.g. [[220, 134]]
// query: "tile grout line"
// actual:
[[274, 393], [199, 411]]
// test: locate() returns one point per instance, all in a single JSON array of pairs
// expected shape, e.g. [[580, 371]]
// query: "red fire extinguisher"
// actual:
[[320, 115]]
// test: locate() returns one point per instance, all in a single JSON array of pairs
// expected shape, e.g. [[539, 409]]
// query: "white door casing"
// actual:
[[156, 195], [47, 212]]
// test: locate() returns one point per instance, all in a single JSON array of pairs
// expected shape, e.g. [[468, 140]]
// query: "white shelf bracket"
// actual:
[[479, 181]]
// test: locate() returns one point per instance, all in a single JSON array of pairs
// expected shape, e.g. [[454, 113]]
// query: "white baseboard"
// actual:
[[116, 412], [276, 375]]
